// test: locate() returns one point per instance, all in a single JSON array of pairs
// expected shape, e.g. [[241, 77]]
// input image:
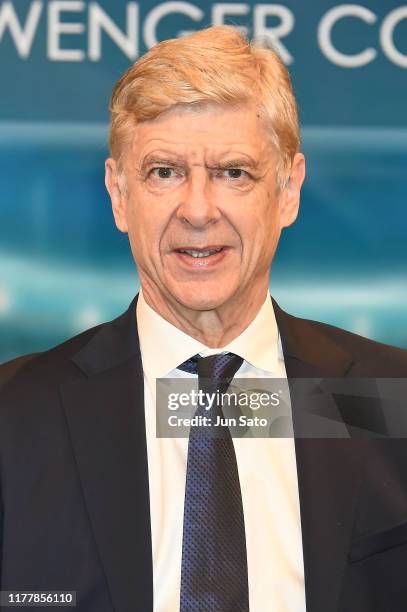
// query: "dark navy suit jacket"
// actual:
[[74, 498]]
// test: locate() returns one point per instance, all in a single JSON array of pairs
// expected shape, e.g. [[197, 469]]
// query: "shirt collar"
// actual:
[[163, 346]]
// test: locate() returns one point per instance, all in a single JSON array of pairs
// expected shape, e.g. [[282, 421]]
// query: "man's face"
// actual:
[[201, 206]]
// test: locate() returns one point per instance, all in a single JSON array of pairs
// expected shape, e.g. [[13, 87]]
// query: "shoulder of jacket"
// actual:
[[382, 357], [52, 364]]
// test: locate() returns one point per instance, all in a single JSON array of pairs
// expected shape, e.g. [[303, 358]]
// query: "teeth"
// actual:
[[200, 253]]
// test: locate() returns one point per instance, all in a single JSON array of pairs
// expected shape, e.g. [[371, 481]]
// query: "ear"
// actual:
[[117, 194], [290, 194]]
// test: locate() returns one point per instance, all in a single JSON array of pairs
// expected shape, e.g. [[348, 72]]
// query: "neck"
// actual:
[[215, 328]]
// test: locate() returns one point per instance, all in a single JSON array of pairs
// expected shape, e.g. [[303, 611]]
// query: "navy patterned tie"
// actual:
[[214, 560]]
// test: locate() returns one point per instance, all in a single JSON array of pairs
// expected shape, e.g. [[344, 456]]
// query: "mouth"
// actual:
[[201, 252], [201, 257]]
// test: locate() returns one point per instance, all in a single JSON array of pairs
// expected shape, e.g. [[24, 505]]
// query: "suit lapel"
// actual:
[[329, 469], [105, 415]]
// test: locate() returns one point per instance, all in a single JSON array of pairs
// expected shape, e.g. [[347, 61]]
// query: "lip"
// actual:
[[201, 263]]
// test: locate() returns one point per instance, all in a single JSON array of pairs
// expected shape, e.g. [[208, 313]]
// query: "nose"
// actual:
[[198, 205]]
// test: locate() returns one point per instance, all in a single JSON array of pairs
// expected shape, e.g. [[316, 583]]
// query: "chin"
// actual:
[[201, 299]]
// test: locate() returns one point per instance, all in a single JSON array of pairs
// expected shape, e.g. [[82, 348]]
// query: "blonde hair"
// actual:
[[214, 65]]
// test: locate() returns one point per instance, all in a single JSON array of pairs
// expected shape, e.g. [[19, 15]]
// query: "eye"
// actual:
[[235, 173], [163, 173]]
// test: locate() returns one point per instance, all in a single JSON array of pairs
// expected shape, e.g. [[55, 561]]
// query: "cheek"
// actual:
[[260, 232], [270, 221], [260, 223], [147, 224]]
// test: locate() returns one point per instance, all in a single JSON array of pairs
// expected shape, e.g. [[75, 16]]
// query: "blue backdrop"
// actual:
[[63, 265]]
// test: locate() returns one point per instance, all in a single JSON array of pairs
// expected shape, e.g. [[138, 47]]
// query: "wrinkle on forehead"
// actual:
[[208, 139]]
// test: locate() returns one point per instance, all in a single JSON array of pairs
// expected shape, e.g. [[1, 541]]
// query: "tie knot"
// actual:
[[216, 370]]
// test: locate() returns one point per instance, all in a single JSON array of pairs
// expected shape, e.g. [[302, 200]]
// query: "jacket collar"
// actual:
[[308, 351], [112, 345]]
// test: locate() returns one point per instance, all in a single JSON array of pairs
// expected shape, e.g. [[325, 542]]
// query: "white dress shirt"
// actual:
[[267, 470]]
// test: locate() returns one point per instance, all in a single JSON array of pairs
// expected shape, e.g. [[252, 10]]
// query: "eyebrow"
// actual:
[[157, 160], [161, 160], [237, 163]]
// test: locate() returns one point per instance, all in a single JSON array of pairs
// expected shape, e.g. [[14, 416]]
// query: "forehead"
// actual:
[[206, 132]]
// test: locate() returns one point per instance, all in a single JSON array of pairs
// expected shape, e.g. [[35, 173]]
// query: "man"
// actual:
[[205, 171]]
